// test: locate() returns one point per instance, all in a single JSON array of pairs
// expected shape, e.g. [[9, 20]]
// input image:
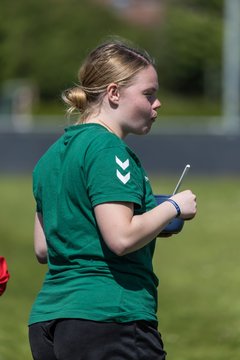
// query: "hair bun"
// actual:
[[75, 98]]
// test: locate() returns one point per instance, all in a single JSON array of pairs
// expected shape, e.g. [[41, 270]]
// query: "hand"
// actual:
[[186, 200]]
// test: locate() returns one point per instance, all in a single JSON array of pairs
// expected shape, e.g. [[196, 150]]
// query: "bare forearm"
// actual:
[[125, 232], [144, 228]]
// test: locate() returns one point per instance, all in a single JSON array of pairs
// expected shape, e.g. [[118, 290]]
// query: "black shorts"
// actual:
[[76, 339]]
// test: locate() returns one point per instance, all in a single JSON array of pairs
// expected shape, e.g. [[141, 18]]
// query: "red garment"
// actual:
[[4, 275]]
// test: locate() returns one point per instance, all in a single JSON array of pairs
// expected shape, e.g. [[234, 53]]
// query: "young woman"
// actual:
[[97, 220]]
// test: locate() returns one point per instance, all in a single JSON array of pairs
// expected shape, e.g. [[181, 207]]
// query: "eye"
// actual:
[[150, 96]]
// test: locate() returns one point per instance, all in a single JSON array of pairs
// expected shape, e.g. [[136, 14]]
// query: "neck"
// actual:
[[115, 131], [106, 126]]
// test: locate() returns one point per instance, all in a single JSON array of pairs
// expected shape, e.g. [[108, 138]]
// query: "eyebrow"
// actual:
[[152, 89]]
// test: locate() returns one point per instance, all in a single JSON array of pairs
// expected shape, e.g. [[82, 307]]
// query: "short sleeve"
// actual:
[[113, 174]]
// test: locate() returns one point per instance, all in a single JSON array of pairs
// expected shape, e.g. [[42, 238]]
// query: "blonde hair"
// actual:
[[111, 62]]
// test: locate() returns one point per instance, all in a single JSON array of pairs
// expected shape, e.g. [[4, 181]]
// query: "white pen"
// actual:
[[187, 167]]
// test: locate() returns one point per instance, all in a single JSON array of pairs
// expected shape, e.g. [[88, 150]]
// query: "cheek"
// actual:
[[142, 105], [137, 109], [145, 109]]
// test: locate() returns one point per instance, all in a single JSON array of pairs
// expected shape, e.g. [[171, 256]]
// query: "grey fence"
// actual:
[[208, 154]]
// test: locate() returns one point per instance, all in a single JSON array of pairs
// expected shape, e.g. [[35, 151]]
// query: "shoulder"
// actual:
[[109, 151], [48, 156], [101, 140], [108, 140]]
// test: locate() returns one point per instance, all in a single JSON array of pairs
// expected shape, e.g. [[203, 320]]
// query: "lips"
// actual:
[[154, 117]]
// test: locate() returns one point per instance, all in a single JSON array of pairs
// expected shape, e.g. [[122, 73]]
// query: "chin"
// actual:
[[141, 131], [146, 130]]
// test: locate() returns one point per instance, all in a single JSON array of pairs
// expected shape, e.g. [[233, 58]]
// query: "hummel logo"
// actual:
[[123, 165], [124, 179]]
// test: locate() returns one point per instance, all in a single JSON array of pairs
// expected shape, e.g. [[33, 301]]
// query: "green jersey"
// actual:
[[88, 166]]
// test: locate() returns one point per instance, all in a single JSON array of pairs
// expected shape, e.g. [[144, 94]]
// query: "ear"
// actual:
[[113, 93]]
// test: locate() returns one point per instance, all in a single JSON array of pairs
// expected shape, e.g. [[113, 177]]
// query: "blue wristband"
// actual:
[[175, 205]]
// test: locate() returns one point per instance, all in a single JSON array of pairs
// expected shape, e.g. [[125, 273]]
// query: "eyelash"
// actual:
[[148, 95]]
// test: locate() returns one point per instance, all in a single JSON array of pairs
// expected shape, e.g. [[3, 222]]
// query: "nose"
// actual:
[[157, 104]]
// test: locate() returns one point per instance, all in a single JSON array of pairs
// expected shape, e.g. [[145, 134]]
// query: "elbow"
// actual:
[[41, 256], [42, 260], [120, 252], [120, 247]]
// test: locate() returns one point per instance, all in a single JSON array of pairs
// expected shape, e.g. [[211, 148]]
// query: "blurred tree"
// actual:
[[189, 51], [46, 41], [214, 6]]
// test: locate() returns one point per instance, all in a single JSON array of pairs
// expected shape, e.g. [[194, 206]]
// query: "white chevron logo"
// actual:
[[124, 178], [124, 165]]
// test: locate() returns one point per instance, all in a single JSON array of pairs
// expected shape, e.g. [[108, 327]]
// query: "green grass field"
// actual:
[[199, 273]]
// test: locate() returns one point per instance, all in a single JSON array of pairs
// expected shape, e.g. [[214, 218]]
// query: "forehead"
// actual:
[[146, 78]]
